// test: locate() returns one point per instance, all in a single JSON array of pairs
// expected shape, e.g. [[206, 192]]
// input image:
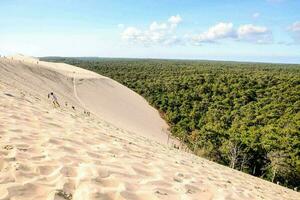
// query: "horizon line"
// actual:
[[174, 59]]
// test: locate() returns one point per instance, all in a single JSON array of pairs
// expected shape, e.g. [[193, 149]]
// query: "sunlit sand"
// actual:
[[119, 151]]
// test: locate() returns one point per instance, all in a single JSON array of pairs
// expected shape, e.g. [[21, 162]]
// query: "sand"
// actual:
[[60, 153], [87, 90]]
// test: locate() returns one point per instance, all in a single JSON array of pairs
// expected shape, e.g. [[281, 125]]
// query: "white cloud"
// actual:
[[252, 33], [158, 27], [219, 31], [256, 15], [246, 33], [295, 27], [157, 33], [175, 20], [131, 33], [295, 30], [250, 29], [164, 33]]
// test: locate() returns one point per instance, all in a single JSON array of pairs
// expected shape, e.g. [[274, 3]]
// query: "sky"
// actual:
[[248, 30]]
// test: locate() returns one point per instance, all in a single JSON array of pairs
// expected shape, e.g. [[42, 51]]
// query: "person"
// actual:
[[54, 99]]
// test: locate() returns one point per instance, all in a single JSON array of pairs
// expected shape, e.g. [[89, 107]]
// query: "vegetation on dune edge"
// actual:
[[243, 115]]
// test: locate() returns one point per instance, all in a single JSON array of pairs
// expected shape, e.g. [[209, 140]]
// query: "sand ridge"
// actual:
[[61, 153]]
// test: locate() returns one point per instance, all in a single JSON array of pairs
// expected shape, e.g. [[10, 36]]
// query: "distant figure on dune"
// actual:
[[54, 99], [87, 113]]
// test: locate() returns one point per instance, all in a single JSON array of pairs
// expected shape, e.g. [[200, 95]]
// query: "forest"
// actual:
[[243, 115]]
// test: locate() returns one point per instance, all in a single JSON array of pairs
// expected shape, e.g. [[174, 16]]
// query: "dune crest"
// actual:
[[63, 154]]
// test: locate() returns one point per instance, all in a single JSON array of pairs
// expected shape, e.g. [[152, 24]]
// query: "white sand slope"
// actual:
[[51, 153], [103, 96]]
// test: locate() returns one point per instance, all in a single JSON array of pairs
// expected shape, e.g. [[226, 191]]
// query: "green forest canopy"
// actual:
[[243, 115]]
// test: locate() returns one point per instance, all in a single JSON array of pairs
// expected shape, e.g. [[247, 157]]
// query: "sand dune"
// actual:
[[60, 153], [103, 96]]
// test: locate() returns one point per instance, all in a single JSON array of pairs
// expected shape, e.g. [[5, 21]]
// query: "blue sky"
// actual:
[[254, 30]]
